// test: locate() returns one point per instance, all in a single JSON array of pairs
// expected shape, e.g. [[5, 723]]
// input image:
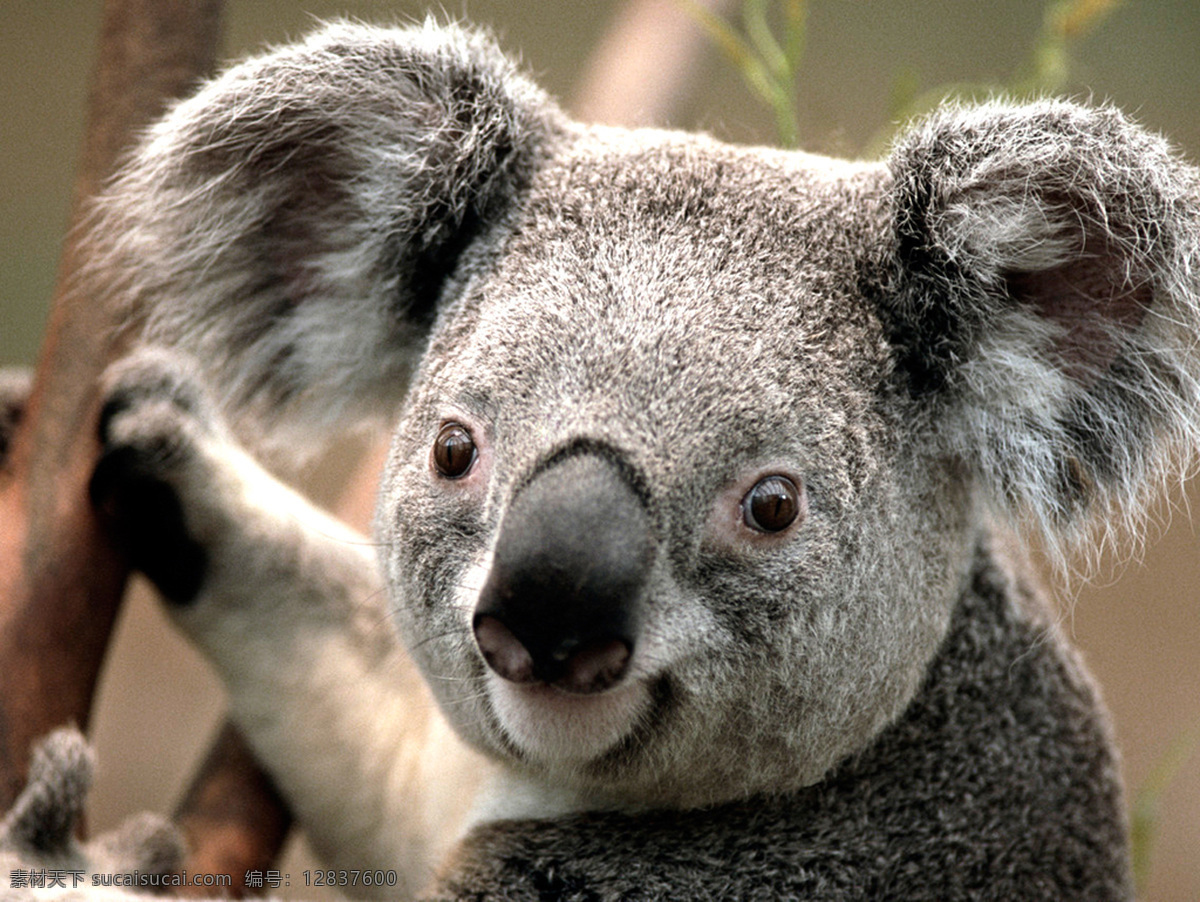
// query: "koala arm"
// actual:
[[996, 783], [288, 604]]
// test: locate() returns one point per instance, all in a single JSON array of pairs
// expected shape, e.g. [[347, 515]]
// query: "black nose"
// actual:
[[561, 603]]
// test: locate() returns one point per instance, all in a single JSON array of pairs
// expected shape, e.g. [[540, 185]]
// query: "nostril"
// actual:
[[582, 669], [502, 650], [595, 667]]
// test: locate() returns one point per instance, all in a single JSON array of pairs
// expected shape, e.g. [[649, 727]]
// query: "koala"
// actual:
[[697, 569], [39, 855]]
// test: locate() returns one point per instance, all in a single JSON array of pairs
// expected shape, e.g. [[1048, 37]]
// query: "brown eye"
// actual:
[[772, 505], [453, 451]]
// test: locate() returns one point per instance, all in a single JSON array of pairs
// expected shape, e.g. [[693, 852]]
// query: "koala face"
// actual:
[[700, 438], [761, 603]]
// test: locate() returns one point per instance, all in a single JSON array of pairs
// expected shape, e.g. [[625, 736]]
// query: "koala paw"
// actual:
[[43, 817], [154, 421], [39, 830]]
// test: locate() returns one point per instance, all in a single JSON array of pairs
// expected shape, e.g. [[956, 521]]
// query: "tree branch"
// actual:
[[233, 817]]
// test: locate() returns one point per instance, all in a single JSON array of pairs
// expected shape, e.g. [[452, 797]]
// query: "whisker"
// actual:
[[464, 699], [436, 636]]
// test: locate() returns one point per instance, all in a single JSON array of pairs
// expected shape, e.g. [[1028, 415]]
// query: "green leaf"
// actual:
[[754, 15], [795, 28], [736, 49], [767, 67]]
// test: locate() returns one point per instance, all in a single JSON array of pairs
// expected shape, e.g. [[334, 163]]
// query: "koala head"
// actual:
[[694, 443]]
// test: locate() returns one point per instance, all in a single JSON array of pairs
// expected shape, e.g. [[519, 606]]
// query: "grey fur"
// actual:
[[302, 190], [1063, 407], [1001, 318], [38, 833], [1004, 732]]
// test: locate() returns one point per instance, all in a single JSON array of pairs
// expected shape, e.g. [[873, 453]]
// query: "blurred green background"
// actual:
[[1141, 634]]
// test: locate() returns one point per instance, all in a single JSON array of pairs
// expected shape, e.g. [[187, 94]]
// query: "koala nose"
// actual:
[[560, 604]]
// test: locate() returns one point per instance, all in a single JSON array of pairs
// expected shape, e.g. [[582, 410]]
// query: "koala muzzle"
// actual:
[[561, 604]]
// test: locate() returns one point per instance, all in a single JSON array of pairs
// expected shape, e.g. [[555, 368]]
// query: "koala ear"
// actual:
[[297, 222], [1045, 298]]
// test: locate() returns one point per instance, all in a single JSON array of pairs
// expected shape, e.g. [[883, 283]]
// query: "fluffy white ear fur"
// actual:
[[1047, 299], [295, 222]]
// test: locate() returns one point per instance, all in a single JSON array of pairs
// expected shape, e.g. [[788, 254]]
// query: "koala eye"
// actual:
[[453, 451], [772, 505]]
